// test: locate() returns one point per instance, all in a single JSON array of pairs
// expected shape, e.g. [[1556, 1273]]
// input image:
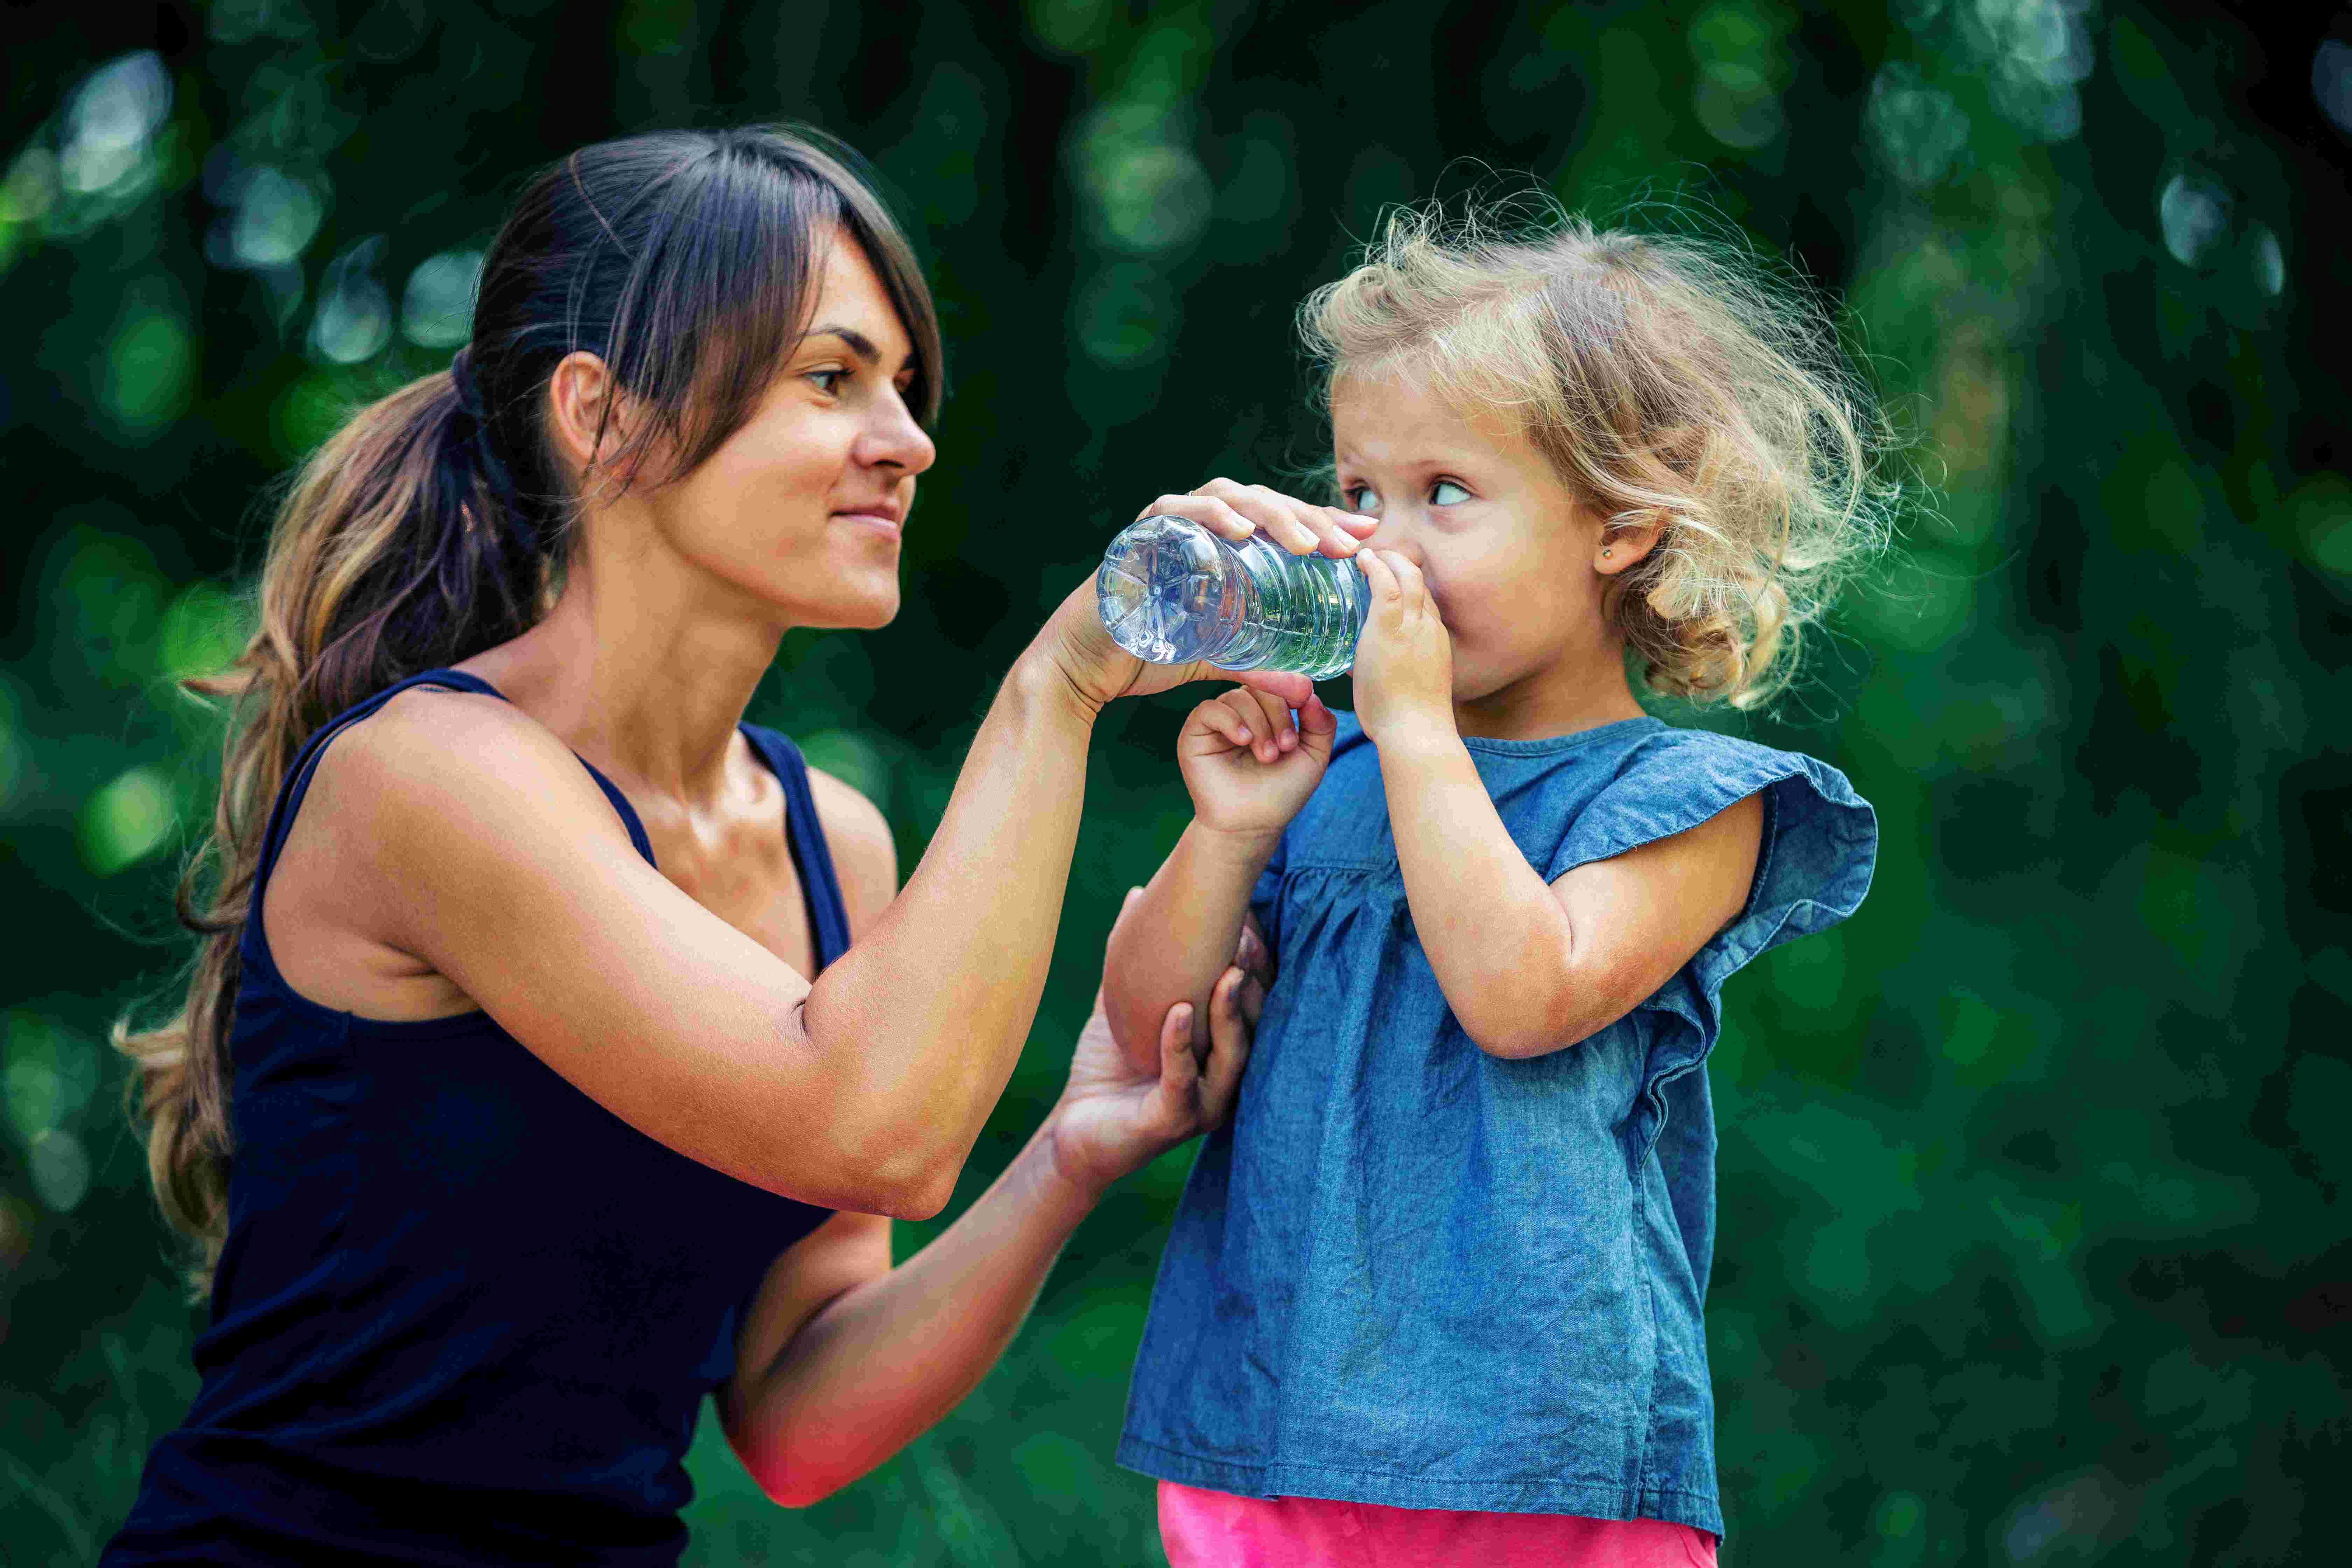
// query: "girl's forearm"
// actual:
[[1498, 940], [1173, 941], [885, 1360], [928, 1013]]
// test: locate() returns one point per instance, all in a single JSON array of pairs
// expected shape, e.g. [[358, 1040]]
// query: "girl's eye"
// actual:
[[1445, 492], [1361, 498], [828, 381]]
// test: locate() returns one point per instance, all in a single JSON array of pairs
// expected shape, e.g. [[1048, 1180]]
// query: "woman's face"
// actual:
[[802, 509]]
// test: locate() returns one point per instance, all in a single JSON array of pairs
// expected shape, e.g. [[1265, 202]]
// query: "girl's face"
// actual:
[[803, 508], [1509, 551]]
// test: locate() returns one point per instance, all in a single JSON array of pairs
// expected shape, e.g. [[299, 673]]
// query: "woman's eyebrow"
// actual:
[[859, 343]]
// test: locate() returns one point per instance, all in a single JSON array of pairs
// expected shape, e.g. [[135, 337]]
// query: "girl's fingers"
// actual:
[[1408, 575], [1273, 721], [1225, 720], [1357, 524], [1374, 565]]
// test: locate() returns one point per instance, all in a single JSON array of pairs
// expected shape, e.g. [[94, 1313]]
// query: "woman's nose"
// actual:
[[896, 440]]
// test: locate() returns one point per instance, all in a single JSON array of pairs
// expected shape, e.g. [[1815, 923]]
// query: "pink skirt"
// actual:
[[1218, 1529]]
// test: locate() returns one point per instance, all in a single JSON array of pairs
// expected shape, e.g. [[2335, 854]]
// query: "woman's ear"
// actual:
[[1626, 539], [578, 410], [588, 416]]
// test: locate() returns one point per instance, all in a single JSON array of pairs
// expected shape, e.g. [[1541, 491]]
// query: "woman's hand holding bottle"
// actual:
[[1097, 670]]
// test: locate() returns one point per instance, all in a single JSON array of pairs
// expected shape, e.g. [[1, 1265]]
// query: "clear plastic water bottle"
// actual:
[[1169, 592]]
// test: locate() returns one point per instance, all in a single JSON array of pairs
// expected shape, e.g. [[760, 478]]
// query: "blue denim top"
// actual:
[[1412, 1274]]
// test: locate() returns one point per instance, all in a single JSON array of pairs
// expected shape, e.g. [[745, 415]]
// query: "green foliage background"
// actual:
[[2033, 1244]]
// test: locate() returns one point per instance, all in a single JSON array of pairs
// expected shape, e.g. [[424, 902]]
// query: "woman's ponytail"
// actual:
[[400, 547]]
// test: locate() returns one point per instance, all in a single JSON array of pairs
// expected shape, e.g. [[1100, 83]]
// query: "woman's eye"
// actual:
[[1445, 492], [1361, 498], [828, 381]]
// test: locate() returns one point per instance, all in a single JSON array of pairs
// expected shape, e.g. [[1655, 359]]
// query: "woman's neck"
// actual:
[[648, 680]]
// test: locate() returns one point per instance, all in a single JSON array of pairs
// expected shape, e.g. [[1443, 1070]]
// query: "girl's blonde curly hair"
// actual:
[[1672, 380]]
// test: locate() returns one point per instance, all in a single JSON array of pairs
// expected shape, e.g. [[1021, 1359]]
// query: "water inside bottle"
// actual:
[[1170, 592]]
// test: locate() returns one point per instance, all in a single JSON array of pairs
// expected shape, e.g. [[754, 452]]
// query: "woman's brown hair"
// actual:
[[434, 524]]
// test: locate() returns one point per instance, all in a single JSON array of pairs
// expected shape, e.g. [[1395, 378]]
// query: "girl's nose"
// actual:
[[1393, 536]]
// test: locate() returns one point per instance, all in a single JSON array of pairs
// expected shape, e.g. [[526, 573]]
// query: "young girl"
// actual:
[[1436, 1296]]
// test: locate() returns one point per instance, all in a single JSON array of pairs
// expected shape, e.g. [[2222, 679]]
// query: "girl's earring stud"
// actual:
[[1604, 555]]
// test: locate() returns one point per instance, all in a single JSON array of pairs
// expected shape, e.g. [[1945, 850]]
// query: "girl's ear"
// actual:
[[1625, 540]]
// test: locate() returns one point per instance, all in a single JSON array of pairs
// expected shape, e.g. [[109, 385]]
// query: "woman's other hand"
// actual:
[[1114, 1119]]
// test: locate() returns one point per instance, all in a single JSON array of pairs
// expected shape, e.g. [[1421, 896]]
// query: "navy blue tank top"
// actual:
[[465, 1314]]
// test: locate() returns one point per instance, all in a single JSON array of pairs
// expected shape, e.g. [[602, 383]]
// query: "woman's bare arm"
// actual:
[[844, 1360]]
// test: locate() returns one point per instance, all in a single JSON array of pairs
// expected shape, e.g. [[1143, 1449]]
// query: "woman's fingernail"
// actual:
[[1245, 734], [1287, 740]]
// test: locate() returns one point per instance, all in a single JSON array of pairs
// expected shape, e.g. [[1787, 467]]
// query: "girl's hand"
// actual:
[[1113, 1119], [1404, 661], [1249, 769]]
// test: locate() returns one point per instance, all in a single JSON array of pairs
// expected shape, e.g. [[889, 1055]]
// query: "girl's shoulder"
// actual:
[[1820, 841], [1668, 778]]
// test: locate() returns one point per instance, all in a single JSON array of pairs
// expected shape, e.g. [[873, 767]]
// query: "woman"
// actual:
[[528, 1086]]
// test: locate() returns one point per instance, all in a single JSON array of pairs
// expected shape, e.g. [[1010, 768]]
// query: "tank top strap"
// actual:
[[820, 886], [306, 765]]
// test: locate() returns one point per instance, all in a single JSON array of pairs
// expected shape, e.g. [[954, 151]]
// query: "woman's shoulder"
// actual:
[[432, 751]]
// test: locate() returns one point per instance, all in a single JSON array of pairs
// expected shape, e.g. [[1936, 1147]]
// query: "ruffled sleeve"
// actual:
[[1813, 867]]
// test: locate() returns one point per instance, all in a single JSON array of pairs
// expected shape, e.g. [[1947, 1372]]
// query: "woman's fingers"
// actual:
[[1282, 520], [1236, 511], [1229, 1048], [1212, 512], [1295, 689], [1252, 1000], [1179, 1068], [1374, 564]]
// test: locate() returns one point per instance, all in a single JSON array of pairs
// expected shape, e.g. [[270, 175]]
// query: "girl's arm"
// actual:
[[1530, 968], [1180, 932], [844, 1360], [1526, 967]]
